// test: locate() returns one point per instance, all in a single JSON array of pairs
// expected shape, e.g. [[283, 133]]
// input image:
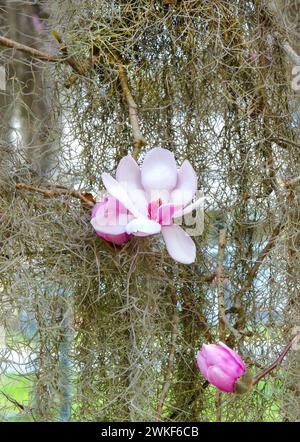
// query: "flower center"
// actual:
[[153, 208]]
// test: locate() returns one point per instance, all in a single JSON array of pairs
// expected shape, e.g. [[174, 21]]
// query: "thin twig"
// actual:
[[80, 68], [285, 141], [77, 67], [220, 284], [13, 401], [277, 362], [51, 193], [221, 309], [169, 369], [271, 8]]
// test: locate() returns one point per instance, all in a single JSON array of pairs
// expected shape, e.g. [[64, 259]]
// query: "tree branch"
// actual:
[[35, 53], [277, 361], [169, 369], [138, 140], [221, 309], [220, 284], [77, 67], [13, 401], [52, 193], [271, 9]]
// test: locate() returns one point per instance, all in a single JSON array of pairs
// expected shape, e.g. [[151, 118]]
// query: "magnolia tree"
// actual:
[[149, 206]]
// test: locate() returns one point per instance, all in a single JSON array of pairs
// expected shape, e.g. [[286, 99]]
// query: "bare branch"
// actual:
[[169, 369], [35, 53], [52, 193], [220, 283], [80, 68], [138, 140], [277, 362]]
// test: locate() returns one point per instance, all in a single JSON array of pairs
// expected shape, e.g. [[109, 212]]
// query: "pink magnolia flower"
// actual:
[[149, 200], [113, 215], [220, 365]]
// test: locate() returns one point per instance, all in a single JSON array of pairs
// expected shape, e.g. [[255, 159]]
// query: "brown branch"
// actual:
[[35, 53], [77, 67], [221, 309], [219, 279], [52, 193], [138, 140], [13, 401], [169, 369], [282, 141], [80, 68], [277, 362]]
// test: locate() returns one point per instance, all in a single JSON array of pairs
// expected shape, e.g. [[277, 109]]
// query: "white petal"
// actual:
[[186, 184], [129, 171], [116, 190], [159, 171], [114, 229], [139, 199], [190, 208], [143, 227], [155, 195], [179, 245], [129, 176]]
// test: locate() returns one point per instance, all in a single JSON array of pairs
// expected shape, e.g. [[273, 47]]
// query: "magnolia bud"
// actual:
[[221, 366]]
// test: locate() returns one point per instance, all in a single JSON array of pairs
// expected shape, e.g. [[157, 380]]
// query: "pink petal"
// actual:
[[115, 239], [109, 219], [216, 355], [109, 216], [166, 212], [108, 206], [143, 227], [186, 184], [235, 355], [179, 245], [116, 190], [220, 379], [201, 363], [159, 171], [153, 209]]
